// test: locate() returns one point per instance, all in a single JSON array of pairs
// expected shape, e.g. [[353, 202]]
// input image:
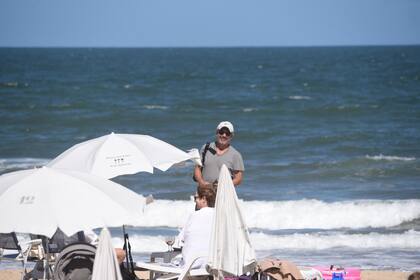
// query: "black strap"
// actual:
[[127, 249], [203, 156]]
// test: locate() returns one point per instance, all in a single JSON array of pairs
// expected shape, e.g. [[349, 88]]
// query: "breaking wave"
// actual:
[[297, 214]]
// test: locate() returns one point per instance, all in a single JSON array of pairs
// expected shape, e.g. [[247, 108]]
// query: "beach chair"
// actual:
[[23, 251], [168, 271]]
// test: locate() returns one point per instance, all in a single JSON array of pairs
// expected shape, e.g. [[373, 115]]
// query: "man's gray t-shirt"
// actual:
[[213, 163]]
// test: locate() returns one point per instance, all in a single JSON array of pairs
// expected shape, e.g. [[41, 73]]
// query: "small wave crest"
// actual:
[[155, 107], [299, 214], [390, 158], [249, 110], [12, 164]]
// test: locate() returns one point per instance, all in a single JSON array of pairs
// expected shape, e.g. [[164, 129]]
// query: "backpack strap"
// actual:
[[127, 249], [203, 155]]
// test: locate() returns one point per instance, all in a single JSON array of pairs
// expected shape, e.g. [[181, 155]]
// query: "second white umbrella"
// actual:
[[119, 154]]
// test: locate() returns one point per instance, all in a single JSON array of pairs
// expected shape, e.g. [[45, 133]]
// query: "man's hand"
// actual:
[[237, 178], [199, 177]]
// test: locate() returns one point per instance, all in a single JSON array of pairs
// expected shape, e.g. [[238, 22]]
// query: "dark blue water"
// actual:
[[323, 131]]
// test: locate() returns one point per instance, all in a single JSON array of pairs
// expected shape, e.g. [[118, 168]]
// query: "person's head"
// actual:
[[224, 132], [120, 255], [414, 276], [205, 197]]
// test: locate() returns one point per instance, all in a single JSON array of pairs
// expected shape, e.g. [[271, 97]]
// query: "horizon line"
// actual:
[[207, 47]]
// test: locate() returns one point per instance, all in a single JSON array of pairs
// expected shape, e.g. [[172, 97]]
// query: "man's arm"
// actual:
[[199, 177], [237, 178]]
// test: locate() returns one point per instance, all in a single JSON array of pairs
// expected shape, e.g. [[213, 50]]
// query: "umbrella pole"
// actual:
[[47, 261]]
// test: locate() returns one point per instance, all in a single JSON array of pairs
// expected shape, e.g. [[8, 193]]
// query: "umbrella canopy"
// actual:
[[106, 265], [118, 154], [231, 252], [41, 200]]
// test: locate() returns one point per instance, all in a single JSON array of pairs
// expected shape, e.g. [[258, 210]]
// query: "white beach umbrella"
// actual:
[[119, 154], [231, 252], [106, 265], [41, 200]]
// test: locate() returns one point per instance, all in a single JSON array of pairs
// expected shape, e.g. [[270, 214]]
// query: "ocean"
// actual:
[[329, 135]]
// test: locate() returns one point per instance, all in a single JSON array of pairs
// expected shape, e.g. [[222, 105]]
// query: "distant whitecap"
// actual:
[[390, 158], [248, 110], [155, 107], [299, 97], [11, 84]]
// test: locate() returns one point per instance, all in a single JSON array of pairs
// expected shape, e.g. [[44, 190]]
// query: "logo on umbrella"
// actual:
[[27, 199]]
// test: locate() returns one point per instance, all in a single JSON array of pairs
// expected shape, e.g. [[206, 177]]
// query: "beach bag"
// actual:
[[339, 273]]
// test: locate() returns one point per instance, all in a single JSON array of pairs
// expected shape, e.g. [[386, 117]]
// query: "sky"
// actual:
[[210, 23]]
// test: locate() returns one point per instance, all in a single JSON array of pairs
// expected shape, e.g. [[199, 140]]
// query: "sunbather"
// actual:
[[195, 235]]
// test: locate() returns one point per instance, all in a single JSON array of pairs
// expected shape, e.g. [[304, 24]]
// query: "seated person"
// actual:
[[197, 231]]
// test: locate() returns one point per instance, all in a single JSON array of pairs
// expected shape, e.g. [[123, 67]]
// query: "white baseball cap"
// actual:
[[226, 124]]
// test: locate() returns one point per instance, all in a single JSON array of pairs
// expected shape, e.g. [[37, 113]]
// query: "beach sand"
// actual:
[[366, 275]]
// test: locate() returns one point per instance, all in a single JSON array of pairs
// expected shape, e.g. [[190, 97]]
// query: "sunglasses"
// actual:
[[224, 131]]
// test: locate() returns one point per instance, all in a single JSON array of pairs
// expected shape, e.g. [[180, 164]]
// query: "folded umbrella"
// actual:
[[231, 252], [106, 266]]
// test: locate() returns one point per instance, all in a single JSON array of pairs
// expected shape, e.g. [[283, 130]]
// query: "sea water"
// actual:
[[329, 136]]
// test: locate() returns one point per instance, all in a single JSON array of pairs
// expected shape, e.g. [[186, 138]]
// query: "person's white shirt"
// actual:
[[196, 237]]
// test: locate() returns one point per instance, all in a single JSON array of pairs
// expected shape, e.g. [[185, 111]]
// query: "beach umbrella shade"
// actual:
[[231, 252], [119, 154], [106, 266], [41, 200]]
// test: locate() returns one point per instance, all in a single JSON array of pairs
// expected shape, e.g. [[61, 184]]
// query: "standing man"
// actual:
[[215, 154]]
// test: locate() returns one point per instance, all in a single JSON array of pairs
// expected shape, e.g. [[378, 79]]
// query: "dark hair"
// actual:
[[208, 193], [414, 276]]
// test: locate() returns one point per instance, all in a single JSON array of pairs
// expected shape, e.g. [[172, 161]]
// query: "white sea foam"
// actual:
[[315, 241], [390, 158], [300, 214], [21, 163], [299, 97]]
